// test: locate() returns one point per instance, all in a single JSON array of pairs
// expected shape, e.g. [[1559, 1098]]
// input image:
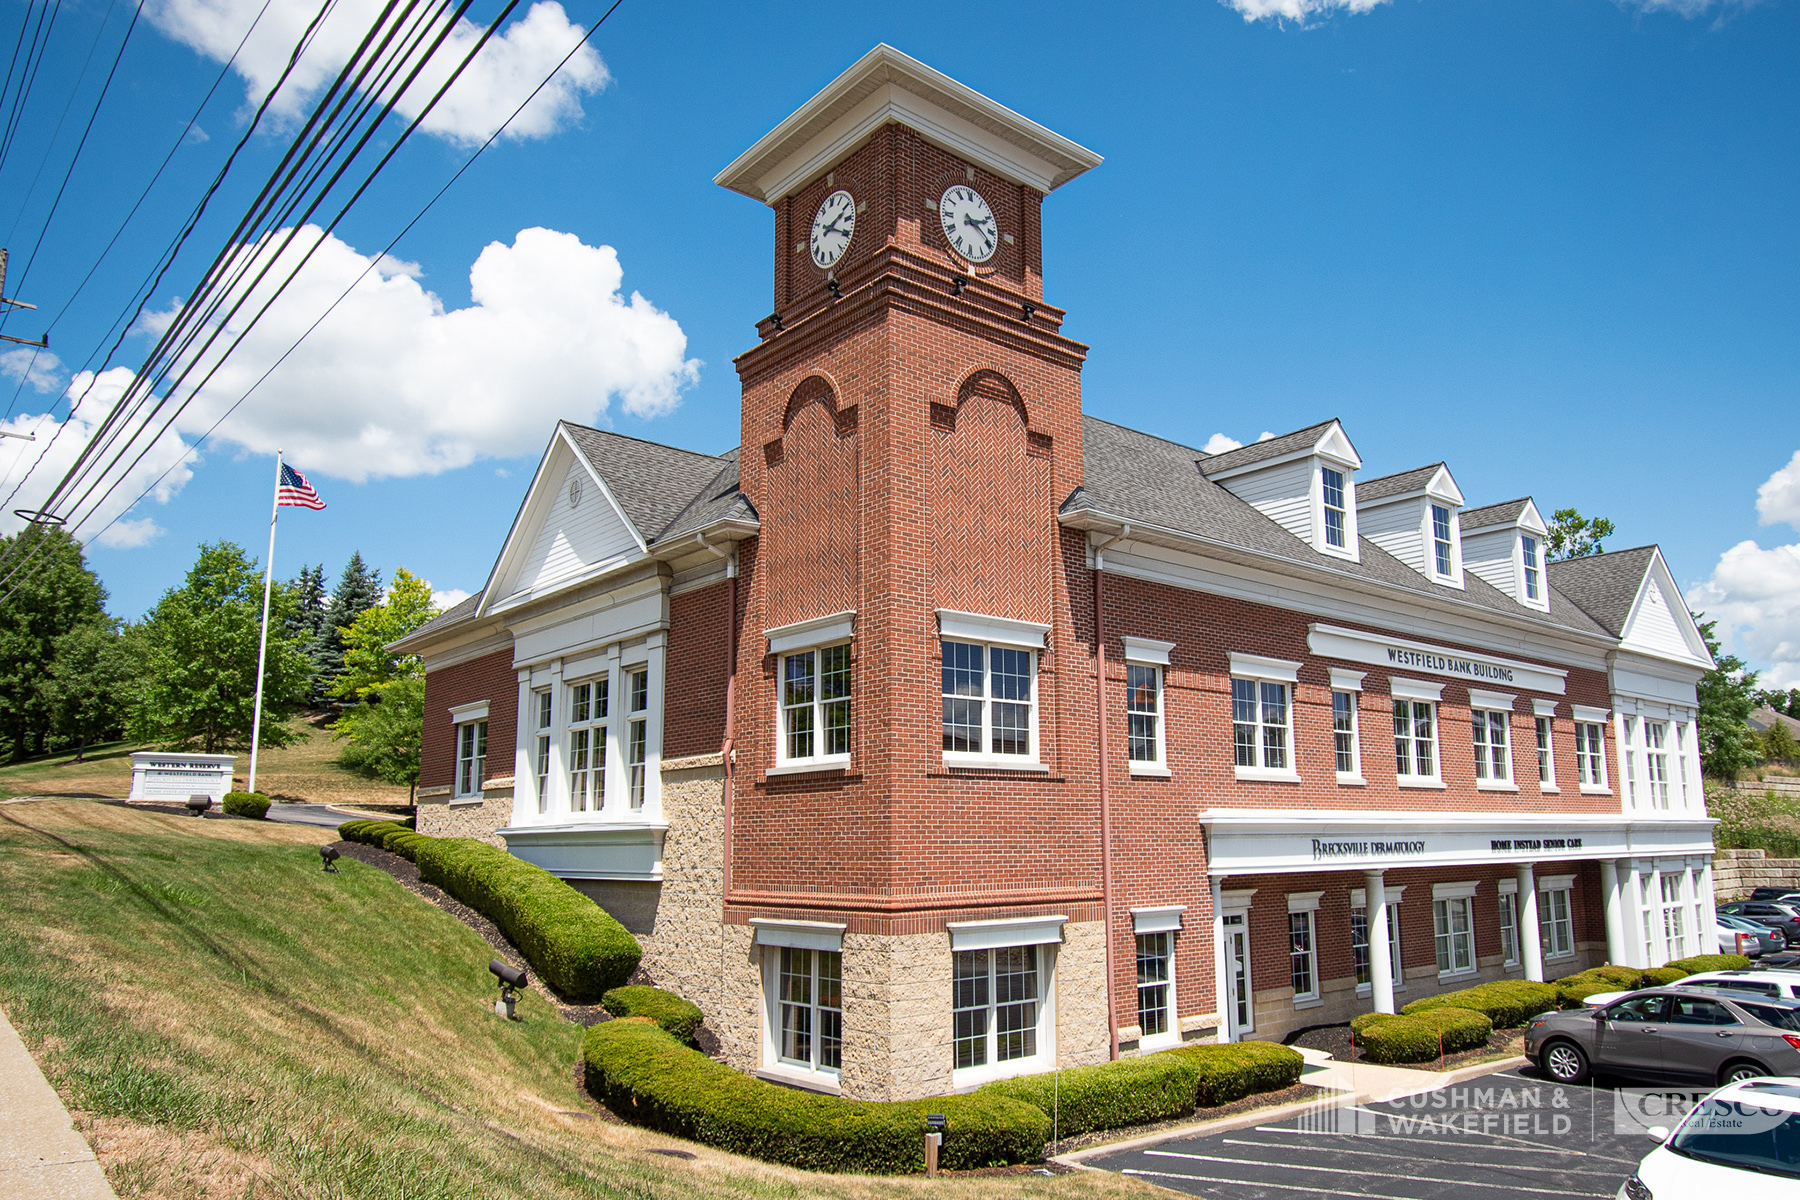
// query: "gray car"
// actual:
[[1670, 1033]]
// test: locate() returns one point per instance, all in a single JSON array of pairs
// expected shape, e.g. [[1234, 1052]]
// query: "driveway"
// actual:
[[312, 814], [1510, 1133]]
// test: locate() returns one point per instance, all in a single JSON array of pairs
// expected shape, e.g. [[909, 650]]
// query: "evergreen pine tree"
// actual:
[[307, 622], [358, 590]]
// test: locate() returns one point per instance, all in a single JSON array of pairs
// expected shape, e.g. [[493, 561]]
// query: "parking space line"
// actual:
[[1310, 1189], [1501, 1137], [1413, 1141], [1504, 1187], [1417, 1157]]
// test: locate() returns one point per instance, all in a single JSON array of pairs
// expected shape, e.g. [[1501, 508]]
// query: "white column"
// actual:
[[524, 769], [1615, 916], [1381, 968], [1531, 948], [1631, 913]]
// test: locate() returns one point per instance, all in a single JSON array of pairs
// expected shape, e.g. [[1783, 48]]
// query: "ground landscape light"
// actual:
[[511, 980], [199, 804], [330, 855]]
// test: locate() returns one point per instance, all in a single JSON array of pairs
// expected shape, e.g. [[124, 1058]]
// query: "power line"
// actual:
[[38, 47]]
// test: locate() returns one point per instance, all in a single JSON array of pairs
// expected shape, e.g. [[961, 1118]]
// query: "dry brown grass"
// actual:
[[306, 770], [226, 1020]]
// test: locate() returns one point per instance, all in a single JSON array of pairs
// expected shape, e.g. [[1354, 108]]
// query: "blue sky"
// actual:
[[1553, 243]]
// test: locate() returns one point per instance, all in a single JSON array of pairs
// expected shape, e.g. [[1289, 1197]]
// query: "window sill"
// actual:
[[968, 1078], [1267, 775], [1365, 990], [1554, 957], [995, 762], [1549, 789], [1590, 789], [1309, 1002], [1150, 771], [1160, 1041], [465, 801], [1351, 780], [1466, 972], [812, 1081], [811, 766], [1495, 785], [1415, 781]]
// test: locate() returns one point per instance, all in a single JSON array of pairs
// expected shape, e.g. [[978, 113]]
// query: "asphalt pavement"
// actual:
[[312, 814], [1510, 1133]]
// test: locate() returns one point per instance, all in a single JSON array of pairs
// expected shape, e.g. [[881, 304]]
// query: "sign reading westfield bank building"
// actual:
[[1062, 740]]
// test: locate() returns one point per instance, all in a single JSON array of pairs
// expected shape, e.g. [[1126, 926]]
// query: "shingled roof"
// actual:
[[1383, 486], [1604, 585], [1151, 481], [1255, 452], [1489, 516], [652, 482]]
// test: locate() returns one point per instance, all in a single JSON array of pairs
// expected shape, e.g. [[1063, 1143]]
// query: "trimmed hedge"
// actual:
[[645, 1076], [246, 804], [1664, 976], [370, 831], [1710, 962], [568, 939], [1360, 1025], [405, 843], [1126, 1091], [1232, 1070], [675, 1015], [1424, 1035], [1508, 1003]]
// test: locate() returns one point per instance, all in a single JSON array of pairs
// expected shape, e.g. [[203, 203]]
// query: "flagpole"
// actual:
[[262, 650]]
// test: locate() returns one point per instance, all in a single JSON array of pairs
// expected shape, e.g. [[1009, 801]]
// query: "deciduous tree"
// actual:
[[1572, 535], [1727, 694], [54, 594], [387, 690]]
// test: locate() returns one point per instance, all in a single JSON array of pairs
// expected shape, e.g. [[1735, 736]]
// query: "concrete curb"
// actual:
[[1262, 1116], [41, 1155]]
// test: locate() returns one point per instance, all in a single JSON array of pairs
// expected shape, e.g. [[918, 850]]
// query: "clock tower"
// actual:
[[911, 424]]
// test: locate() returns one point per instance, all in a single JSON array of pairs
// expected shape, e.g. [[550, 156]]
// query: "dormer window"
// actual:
[[1333, 482], [1440, 538], [1504, 545], [1528, 552]]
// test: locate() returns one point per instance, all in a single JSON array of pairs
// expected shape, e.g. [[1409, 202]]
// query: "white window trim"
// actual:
[[1157, 920], [1492, 701], [1308, 903], [1303, 901], [1541, 601], [1273, 670], [1477, 705], [966, 1077], [819, 631], [1354, 776], [806, 935], [1146, 651], [1347, 681], [462, 714], [1457, 891], [1510, 887], [1172, 1035], [457, 794], [1351, 549], [1417, 691], [1359, 898], [1255, 668], [1545, 710], [785, 765], [1604, 787], [1557, 883], [816, 1079], [1157, 768], [1593, 716], [1454, 577], [1009, 931], [1468, 897], [949, 626]]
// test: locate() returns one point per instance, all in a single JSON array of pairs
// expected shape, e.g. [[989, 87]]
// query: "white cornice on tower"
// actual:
[[886, 86]]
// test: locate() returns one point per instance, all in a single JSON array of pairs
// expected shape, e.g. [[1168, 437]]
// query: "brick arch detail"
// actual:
[[993, 385], [814, 387]]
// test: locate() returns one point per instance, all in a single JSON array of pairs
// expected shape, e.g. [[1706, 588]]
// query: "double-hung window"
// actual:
[[1556, 925], [1359, 939], [1415, 732], [815, 706], [1528, 554], [1453, 927], [1628, 743], [1656, 763], [809, 1015], [1155, 991], [638, 734], [1332, 487], [1590, 753], [1343, 732], [471, 757], [1262, 720], [1146, 663], [541, 711], [1674, 912], [997, 1005], [1544, 726], [1440, 540], [1493, 750], [1303, 945], [989, 695], [1509, 926], [589, 704]]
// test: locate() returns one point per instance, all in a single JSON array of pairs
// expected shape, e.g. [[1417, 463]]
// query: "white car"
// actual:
[[1784, 984], [1741, 1142]]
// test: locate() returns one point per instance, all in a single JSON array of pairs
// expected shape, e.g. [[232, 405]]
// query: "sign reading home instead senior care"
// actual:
[[159, 776], [1403, 657]]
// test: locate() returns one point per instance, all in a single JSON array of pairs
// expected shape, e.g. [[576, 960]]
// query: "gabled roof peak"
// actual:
[[1326, 437], [1432, 480]]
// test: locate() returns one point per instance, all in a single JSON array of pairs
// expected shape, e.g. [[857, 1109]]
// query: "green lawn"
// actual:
[[225, 1019], [306, 770]]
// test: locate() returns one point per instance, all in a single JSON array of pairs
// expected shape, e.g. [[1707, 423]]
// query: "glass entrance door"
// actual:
[[1239, 1014]]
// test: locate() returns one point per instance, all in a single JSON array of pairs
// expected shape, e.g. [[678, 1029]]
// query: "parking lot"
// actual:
[[1510, 1133]]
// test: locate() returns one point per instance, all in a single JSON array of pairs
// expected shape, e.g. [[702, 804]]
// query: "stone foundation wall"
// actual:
[[1737, 873], [440, 817]]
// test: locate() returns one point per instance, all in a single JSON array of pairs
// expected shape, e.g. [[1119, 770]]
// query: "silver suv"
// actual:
[[1671, 1033]]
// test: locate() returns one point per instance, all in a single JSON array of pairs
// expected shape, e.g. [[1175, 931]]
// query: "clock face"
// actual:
[[969, 223], [831, 229]]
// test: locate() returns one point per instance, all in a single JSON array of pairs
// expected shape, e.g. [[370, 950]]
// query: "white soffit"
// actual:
[[885, 86], [806, 935], [1146, 650], [818, 631], [976, 627], [1017, 931]]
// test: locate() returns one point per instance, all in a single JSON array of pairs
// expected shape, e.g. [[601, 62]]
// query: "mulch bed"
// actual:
[[1335, 1041]]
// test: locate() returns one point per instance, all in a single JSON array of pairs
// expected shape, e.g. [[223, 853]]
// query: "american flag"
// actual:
[[295, 491]]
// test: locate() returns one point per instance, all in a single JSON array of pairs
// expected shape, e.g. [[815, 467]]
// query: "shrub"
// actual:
[[1424, 1035], [575, 946], [1572, 990], [1710, 962], [647, 1077], [675, 1015], [254, 805], [405, 843], [1360, 1025], [1664, 976], [1508, 1003], [1126, 1091], [1232, 1070]]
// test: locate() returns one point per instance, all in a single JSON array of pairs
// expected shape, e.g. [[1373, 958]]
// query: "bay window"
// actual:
[[541, 709], [1656, 763], [589, 704], [638, 731]]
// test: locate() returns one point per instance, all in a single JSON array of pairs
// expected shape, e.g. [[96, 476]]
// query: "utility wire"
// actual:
[[38, 47], [373, 261]]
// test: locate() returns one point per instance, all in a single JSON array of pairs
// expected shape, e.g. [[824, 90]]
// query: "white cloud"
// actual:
[[1778, 499], [1219, 443], [393, 384], [448, 598], [38, 368], [1688, 8], [61, 442], [495, 83], [1755, 593], [1297, 10]]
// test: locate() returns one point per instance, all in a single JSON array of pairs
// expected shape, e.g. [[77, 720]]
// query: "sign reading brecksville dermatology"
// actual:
[[1404, 657]]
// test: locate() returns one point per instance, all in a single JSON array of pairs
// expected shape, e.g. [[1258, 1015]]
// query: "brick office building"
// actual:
[[946, 732]]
